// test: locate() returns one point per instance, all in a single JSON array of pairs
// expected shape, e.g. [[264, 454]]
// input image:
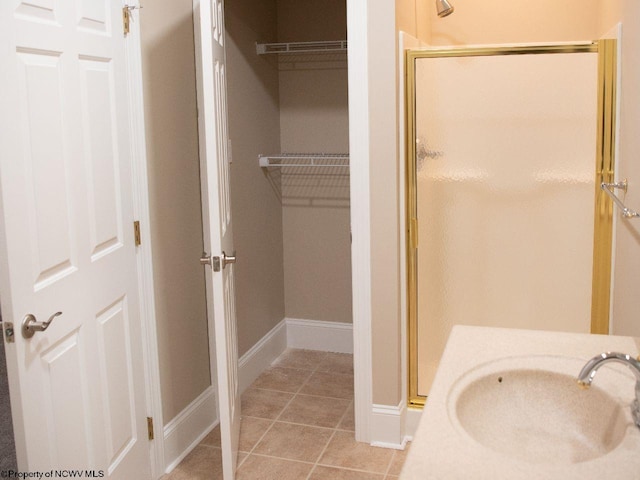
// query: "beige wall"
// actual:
[[253, 100], [626, 319], [315, 202], [174, 187], [311, 20], [384, 204], [414, 17], [514, 21]]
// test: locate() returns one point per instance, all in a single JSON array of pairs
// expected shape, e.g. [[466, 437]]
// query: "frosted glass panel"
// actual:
[[505, 195]]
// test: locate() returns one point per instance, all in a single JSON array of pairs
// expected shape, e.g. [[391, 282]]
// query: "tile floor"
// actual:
[[297, 424]]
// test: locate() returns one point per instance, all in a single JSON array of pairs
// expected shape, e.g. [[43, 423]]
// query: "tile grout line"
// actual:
[[344, 415], [326, 465], [393, 455], [273, 422], [321, 454], [335, 429], [260, 439], [286, 406]]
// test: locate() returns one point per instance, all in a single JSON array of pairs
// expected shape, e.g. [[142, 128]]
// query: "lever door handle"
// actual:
[[30, 324]]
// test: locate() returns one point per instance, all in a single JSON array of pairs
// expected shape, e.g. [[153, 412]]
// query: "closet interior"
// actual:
[[288, 124]]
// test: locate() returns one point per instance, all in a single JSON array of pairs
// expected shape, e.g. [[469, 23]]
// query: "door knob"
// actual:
[[228, 259], [30, 325], [217, 263]]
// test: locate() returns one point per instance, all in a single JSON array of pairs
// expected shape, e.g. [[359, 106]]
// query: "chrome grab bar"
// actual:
[[608, 189]]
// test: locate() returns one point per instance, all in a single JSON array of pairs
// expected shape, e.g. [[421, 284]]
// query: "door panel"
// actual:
[[45, 164], [64, 389], [101, 154], [116, 379], [93, 15]]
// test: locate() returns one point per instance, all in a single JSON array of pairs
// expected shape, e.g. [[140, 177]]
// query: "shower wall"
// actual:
[[515, 21], [505, 195]]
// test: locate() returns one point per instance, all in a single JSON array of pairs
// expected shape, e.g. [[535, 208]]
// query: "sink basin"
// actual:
[[535, 412], [505, 405]]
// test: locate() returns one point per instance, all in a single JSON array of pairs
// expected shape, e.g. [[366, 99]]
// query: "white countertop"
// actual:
[[442, 449]]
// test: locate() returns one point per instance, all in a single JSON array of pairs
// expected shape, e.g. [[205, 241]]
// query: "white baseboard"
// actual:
[[262, 355], [388, 426], [318, 335], [189, 427]]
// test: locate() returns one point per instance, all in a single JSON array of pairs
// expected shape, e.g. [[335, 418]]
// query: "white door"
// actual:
[[218, 235], [67, 232]]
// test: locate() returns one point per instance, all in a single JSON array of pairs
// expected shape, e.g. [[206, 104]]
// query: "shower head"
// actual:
[[444, 8]]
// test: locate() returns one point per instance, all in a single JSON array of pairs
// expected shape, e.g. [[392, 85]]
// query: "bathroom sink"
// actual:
[[532, 409], [505, 405]]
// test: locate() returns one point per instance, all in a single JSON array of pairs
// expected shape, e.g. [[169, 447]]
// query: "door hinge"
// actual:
[[150, 427], [126, 19], [136, 233]]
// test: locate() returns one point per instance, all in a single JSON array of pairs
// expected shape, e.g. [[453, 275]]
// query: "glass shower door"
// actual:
[[504, 180]]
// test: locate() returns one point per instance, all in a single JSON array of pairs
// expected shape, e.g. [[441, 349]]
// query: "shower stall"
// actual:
[[507, 225]]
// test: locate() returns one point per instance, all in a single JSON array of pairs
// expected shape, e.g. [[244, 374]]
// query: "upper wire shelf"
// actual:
[[608, 189], [305, 160], [330, 46]]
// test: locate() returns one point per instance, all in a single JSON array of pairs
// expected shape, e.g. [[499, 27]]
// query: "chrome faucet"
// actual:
[[588, 372]]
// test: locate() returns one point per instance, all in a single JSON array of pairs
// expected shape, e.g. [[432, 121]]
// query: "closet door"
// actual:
[[216, 212]]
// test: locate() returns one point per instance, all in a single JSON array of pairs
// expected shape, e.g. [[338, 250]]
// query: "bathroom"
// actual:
[[379, 301], [378, 285]]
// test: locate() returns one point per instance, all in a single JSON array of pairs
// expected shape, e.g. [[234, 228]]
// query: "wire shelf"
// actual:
[[330, 46], [332, 160]]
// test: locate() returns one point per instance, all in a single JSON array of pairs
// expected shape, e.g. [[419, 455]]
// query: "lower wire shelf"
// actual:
[[332, 160]]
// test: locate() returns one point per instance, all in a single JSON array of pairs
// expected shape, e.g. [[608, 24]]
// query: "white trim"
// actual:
[[143, 257], [189, 427], [411, 421], [358, 58], [262, 355], [318, 335], [387, 426]]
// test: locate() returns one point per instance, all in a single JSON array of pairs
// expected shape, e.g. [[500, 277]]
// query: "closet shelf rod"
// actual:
[[302, 47], [608, 189], [305, 160]]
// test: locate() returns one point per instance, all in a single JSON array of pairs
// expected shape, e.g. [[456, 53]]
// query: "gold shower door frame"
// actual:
[[604, 172]]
